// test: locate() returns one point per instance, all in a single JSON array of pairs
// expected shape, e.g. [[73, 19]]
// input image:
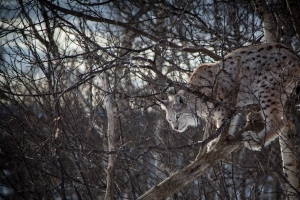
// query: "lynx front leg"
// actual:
[[273, 124], [218, 119]]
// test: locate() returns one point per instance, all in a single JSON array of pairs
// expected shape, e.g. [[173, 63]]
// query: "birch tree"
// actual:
[[111, 164]]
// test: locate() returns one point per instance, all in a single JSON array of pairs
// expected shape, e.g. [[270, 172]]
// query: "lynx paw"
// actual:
[[251, 140]]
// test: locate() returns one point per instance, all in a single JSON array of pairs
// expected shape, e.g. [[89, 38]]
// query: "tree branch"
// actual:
[[135, 30], [191, 172], [111, 164]]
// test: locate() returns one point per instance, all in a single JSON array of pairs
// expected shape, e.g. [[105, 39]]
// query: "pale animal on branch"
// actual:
[[263, 75]]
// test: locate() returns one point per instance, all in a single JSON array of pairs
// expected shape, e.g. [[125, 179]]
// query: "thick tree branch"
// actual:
[[190, 173]]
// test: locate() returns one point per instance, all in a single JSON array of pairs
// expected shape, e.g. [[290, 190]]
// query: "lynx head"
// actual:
[[179, 113]]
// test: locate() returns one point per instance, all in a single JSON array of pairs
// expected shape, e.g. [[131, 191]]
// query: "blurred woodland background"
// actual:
[[78, 86]]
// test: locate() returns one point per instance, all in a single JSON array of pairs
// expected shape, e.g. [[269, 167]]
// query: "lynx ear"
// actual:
[[179, 99], [163, 103]]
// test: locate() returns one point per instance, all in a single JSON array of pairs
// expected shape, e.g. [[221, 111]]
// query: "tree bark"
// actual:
[[287, 146], [268, 23], [289, 162], [110, 186]]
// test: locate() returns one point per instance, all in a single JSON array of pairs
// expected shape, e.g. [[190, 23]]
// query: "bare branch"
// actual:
[[126, 26]]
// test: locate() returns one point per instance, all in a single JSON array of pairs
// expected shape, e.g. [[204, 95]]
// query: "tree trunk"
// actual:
[[289, 162], [268, 23], [110, 186], [287, 146]]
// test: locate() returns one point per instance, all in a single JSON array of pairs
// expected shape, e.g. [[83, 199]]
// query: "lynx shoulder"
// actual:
[[267, 75]]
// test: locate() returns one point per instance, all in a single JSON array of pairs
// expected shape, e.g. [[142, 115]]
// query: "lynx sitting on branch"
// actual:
[[267, 75]]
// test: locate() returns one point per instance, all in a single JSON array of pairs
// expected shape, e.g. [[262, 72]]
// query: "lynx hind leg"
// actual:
[[251, 140], [273, 120]]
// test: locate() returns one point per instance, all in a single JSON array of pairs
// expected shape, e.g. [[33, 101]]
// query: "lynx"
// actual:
[[267, 75]]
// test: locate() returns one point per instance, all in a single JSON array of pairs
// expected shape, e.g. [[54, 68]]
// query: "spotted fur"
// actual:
[[267, 75]]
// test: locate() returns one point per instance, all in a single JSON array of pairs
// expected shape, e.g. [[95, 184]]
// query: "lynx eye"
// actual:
[[178, 116]]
